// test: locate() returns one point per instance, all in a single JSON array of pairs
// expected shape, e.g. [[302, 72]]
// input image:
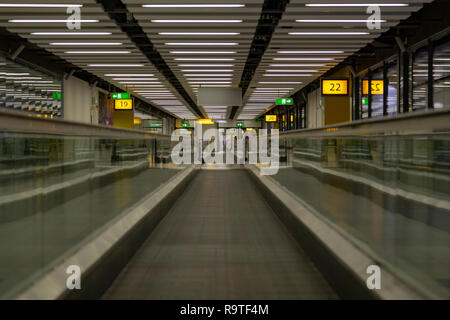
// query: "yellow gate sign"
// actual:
[[377, 86], [124, 104], [335, 87], [271, 118]]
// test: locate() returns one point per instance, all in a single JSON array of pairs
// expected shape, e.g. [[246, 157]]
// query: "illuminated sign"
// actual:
[[185, 124], [284, 101], [56, 95], [123, 104], [205, 121], [335, 87], [120, 96], [154, 125], [271, 118], [377, 86], [239, 124]]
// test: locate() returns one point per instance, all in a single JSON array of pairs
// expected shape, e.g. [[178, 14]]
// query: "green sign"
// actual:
[[120, 96], [239, 124], [365, 100], [56, 95], [285, 101], [185, 124], [154, 125]]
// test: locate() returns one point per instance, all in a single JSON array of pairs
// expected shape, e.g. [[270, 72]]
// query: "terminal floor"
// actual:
[[417, 249], [220, 240], [30, 243]]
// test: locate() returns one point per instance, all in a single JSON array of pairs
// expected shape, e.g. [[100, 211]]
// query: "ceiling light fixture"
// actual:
[[328, 33], [193, 5], [115, 65], [202, 52], [199, 33], [71, 33], [195, 21], [49, 21], [85, 43], [97, 52]]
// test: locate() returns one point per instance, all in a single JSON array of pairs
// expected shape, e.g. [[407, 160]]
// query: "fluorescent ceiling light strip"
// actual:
[[139, 82], [115, 65], [211, 85], [129, 74], [207, 70], [152, 91], [86, 43], [287, 75], [196, 21], [146, 86], [203, 52], [23, 78], [339, 21], [356, 4], [281, 88], [210, 82], [201, 43], [328, 33], [206, 65], [304, 59], [193, 5], [69, 33], [38, 5], [274, 82], [49, 21], [208, 75], [291, 71], [199, 33], [209, 79], [309, 51], [131, 79], [204, 59], [97, 52], [299, 65]]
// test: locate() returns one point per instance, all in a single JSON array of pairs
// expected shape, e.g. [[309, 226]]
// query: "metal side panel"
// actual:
[[103, 255], [341, 262]]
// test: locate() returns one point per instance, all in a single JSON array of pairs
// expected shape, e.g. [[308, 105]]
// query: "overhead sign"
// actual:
[[123, 104], [219, 96], [154, 125], [335, 87], [205, 121], [285, 101], [271, 118], [119, 96], [377, 86], [185, 124], [239, 124]]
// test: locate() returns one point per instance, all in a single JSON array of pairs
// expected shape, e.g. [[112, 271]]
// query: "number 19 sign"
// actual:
[[335, 87], [125, 104]]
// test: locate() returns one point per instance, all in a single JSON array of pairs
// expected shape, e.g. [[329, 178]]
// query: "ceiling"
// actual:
[[206, 45]]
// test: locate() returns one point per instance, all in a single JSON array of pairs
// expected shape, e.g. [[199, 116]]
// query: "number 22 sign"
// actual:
[[335, 87]]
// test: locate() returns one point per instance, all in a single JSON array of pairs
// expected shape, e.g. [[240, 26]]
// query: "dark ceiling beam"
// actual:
[[271, 14], [119, 13]]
